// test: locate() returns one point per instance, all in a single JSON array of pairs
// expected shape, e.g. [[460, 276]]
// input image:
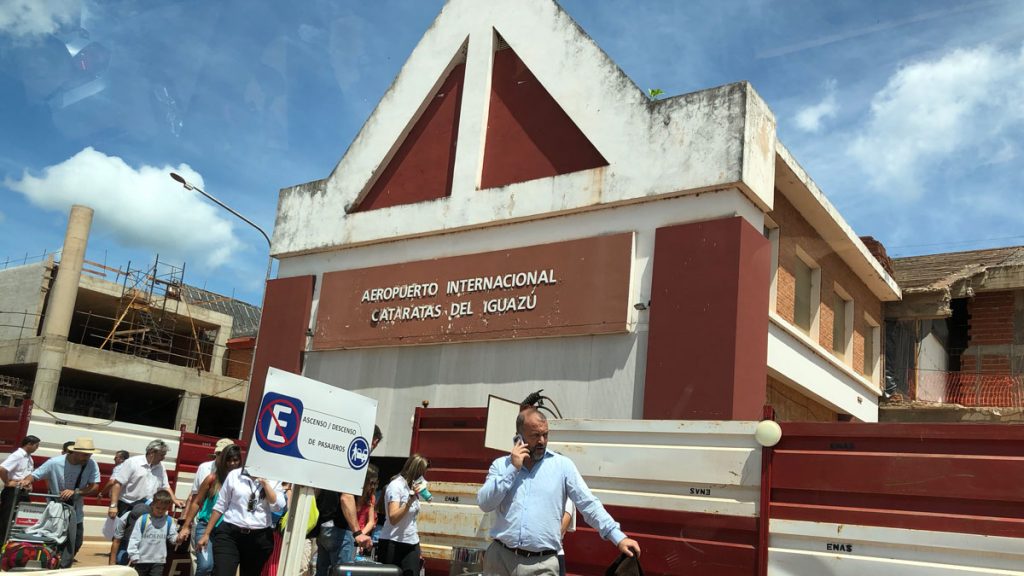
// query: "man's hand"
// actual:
[[67, 494], [363, 541], [629, 547], [519, 455], [112, 512]]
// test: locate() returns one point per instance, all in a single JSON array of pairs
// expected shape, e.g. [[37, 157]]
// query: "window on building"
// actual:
[[872, 348], [842, 325], [807, 295], [771, 232]]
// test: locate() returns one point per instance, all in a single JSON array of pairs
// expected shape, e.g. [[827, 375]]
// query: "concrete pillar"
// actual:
[[60, 308], [220, 346], [188, 411]]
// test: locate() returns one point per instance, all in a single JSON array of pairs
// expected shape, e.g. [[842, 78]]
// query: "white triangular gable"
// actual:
[[714, 139]]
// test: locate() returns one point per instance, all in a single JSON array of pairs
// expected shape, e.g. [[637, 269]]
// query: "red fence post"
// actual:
[[26, 416], [414, 446]]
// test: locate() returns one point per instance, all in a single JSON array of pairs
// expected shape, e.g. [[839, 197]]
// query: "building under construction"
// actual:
[[133, 343]]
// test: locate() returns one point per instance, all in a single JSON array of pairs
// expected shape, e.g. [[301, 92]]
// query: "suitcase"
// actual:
[[365, 568]]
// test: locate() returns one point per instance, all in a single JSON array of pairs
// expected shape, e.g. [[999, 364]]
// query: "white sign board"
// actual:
[[311, 433], [501, 423]]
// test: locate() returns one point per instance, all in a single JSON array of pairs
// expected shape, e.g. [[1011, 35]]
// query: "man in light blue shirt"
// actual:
[[528, 489], [72, 476]]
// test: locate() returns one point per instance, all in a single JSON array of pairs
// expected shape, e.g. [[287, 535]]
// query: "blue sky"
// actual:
[[907, 114]]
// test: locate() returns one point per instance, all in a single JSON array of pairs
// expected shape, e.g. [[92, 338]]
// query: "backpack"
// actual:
[[122, 552], [138, 511], [19, 554]]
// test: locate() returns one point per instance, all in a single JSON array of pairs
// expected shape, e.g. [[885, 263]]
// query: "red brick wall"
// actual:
[[991, 320], [237, 363], [792, 406], [795, 231], [990, 363]]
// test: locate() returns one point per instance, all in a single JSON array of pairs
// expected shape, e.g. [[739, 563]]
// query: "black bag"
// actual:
[[625, 566]]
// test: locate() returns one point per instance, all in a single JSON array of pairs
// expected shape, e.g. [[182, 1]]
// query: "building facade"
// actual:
[[957, 338], [136, 345], [517, 215]]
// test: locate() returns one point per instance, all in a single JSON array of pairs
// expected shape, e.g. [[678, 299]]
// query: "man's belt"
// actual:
[[527, 553]]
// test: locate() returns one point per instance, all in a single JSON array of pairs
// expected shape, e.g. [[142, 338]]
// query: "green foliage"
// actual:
[[654, 93]]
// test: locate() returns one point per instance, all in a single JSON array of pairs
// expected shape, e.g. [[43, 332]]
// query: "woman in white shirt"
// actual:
[[245, 539], [399, 543]]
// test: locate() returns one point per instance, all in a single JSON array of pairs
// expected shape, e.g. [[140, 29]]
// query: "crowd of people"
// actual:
[[231, 519]]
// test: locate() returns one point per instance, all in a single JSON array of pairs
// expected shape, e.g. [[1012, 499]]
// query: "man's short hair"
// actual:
[[377, 434], [157, 446], [162, 496], [123, 454], [68, 444], [30, 439], [521, 419]]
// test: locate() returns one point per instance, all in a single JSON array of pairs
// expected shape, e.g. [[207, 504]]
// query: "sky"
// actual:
[[908, 115]]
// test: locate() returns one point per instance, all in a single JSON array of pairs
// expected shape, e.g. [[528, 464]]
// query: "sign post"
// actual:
[[313, 435]]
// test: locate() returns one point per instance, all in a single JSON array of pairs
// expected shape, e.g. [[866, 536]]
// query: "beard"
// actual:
[[537, 452]]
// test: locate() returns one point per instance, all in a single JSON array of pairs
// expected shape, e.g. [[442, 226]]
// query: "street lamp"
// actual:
[[270, 264]]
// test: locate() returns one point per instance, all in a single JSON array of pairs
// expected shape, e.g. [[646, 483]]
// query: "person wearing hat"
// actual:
[[73, 476], [207, 468], [204, 563]]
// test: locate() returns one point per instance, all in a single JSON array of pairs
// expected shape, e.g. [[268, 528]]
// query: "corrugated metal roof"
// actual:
[[246, 316], [939, 271]]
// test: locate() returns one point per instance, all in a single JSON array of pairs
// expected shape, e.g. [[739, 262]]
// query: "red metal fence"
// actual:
[[945, 477]]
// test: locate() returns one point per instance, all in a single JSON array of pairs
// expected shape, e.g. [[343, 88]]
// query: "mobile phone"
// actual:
[[517, 439]]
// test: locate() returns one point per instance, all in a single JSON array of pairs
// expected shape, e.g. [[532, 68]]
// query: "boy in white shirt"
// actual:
[[147, 547]]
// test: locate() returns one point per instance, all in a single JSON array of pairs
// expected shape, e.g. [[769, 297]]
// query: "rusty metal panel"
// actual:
[[570, 288]]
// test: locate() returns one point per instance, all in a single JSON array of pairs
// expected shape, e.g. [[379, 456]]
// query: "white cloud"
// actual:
[[140, 207], [809, 119], [33, 17], [963, 109]]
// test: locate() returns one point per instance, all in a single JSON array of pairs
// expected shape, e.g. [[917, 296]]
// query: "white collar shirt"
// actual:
[[18, 465], [140, 480], [204, 470], [234, 497]]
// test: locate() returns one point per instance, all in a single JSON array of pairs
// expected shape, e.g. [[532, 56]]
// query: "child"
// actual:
[[147, 547], [366, 513], [123, 531]]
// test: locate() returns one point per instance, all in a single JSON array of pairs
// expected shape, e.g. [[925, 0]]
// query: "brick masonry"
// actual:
[[792, 406], [795, 231], [995, 333]]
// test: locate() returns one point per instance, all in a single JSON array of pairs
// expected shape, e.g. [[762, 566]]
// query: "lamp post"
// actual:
[[270, 264]]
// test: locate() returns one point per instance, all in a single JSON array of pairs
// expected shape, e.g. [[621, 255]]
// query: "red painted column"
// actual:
[[707, 352], [281, 340]]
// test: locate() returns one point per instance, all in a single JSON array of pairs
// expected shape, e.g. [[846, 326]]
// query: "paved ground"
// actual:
[[93, 554]]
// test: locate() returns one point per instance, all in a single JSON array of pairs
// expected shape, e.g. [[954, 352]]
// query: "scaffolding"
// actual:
[[149, 311]]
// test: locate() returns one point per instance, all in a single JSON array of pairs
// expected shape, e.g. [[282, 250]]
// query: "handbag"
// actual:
[[625, 566]]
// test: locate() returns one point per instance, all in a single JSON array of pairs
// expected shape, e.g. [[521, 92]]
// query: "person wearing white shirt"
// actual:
[[13, 473], [119, 457], [139, 479], [399, 539], [245, 540]]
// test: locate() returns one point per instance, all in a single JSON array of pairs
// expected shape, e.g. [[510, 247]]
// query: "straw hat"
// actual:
[[83, 445]]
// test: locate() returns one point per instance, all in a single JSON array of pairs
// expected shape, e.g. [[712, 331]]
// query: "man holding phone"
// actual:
[[528, 489]]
